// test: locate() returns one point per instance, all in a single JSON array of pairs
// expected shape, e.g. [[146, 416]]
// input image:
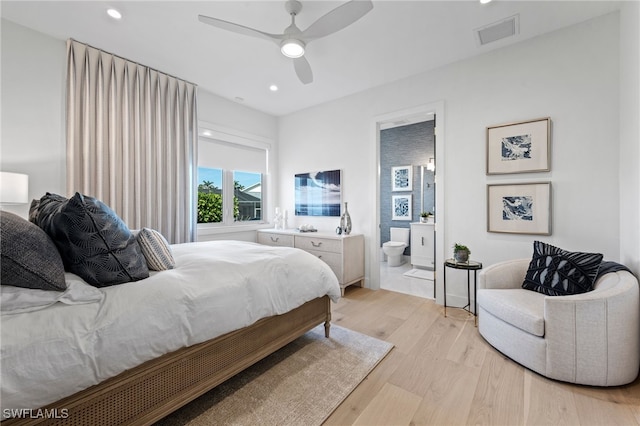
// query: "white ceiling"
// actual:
[[395, 40]]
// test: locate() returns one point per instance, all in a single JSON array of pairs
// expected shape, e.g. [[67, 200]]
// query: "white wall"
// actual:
[[570, 75], [33, 104], [630, 135], [33, 84]]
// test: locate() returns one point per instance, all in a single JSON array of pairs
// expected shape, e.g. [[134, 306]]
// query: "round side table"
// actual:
[[470, 265]]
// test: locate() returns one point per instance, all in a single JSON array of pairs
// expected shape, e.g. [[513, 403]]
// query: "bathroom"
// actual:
[[407, 189]]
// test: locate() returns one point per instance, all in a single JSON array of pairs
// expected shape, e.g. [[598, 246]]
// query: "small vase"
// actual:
[[345, 221]]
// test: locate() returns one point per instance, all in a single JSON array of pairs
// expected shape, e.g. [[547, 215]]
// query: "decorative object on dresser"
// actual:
[[519, 208], [343, 253], [345, 221], [521, 147]]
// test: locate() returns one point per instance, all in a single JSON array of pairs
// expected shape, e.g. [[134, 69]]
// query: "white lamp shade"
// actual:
[[14, 188]]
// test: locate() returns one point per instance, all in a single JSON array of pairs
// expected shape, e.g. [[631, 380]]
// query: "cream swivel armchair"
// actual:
[[591, 338]]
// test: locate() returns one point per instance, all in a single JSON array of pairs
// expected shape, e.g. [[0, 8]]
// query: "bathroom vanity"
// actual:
[[423, 244]]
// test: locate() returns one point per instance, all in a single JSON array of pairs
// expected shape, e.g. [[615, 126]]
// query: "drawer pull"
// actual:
[[422, 240], [316, 245], [275, 240]]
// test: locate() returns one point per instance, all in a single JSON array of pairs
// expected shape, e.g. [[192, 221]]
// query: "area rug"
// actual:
[[301, 384], [419, 273]]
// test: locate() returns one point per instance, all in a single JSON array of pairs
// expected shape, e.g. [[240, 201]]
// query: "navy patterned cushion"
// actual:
[[29, 257], [93, 241], [155, 249], [556, 272]]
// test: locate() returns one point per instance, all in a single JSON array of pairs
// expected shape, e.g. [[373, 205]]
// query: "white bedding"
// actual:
[[216, 287]]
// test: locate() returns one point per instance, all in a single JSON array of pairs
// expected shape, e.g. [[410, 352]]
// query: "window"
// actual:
[[230, 181]]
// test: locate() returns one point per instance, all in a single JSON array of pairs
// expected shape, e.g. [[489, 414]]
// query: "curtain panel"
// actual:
[[132, 140]]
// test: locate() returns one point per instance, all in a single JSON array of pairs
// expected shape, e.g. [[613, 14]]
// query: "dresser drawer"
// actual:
[[334, 260], [318, 244], [275, 239]]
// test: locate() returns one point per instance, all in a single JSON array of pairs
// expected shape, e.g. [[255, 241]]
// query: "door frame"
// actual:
[[426, 110]]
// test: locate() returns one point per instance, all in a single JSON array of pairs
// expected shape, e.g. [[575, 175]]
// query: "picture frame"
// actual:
[[318, 193], [519, 208], [521, 147], [401, 207], [402, 178]]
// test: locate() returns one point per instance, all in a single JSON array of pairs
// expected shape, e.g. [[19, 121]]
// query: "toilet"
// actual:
[[394, 249]]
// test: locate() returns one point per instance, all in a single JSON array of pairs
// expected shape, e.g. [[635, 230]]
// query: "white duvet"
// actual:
[[216, 287]]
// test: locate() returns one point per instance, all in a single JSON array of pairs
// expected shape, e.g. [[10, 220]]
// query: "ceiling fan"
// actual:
[[293, 41]]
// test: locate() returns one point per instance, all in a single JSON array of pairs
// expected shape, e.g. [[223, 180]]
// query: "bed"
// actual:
[[133, 353]]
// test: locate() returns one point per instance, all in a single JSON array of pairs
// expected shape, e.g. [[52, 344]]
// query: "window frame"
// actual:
[[213, 132]]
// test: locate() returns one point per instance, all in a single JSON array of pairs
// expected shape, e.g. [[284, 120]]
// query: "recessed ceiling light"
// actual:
[[114, 13], [273, 88], [485, 1]]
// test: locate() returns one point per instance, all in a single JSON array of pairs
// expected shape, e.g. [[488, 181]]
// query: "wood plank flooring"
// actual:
[[442, 372]]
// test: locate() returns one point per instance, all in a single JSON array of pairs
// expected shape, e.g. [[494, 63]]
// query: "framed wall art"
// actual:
[[401, 205], [519, 208], [402, 178], [521, 147], [318, 193]]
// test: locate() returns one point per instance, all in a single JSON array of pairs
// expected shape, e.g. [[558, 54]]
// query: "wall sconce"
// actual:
[[431, 165], [14, 188]]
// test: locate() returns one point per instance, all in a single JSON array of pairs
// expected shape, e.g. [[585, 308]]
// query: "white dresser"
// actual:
[[343, 253], [422, 244]]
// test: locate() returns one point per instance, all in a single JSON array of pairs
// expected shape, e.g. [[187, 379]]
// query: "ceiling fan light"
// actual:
[[292, 48]]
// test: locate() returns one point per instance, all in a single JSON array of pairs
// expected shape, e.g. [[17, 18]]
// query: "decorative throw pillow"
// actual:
[[29, 258], [556, 272], [155, 249], [93, 241]]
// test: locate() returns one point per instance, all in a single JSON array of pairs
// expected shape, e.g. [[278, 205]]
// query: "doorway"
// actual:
[[426, 195]]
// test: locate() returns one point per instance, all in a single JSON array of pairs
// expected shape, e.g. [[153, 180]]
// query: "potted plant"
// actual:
[[461, 253], [425, 216]]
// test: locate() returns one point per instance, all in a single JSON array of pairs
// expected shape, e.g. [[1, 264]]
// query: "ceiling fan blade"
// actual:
[[303, 70], [240, 29], [339, 18]]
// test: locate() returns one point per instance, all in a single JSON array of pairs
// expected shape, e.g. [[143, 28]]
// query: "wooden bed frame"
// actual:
[[149, 392]]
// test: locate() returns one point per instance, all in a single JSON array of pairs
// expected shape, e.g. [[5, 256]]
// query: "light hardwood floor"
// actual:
[[442, 372]]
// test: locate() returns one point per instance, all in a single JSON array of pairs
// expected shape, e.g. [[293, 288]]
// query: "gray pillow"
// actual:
[[93, 241], [29, 258], [155, 249]]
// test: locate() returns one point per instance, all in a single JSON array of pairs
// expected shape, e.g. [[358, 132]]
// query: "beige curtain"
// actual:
[[132, 140]]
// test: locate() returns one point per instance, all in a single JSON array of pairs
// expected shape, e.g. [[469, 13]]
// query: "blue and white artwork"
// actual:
[[401, 205], [318, 193], [401, 178], [516, 148], [517, 208]]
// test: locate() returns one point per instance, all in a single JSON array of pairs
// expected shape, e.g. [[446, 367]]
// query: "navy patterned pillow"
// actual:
[[93, 241], [556, 272], [29, 257]]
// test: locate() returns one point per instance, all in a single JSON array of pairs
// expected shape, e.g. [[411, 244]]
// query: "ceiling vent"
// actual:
[[498, 30]]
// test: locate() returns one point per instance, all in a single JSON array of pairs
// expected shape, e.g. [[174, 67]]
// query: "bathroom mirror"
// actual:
[[428, 193]]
